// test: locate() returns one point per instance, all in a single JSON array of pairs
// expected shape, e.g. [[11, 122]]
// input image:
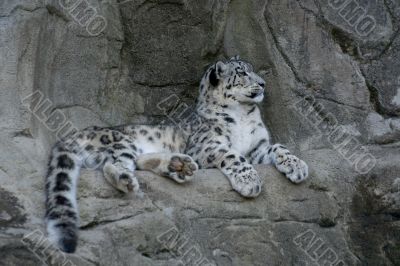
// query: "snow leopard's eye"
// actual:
[[245, 66], [242, 73]]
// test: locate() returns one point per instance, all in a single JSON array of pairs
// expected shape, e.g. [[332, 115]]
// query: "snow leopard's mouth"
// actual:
[[255, 94]]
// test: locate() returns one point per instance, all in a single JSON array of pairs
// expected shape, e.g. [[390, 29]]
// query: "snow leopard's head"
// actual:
[[232, 81]]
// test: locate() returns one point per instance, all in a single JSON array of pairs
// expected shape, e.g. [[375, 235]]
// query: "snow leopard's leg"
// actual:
[[119, 170], [216, 152], [177, 166], [296, 170]]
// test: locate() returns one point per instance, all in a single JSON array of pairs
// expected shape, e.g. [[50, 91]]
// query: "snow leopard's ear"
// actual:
[[235, 58], [219, 70]]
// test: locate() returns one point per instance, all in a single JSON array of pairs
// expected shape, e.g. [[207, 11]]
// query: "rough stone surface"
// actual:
[[151, 49]]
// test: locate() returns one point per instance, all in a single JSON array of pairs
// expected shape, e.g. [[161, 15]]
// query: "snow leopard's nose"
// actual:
[[261, 84]]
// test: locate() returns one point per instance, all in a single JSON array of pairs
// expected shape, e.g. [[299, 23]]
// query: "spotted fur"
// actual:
[[226, 132]]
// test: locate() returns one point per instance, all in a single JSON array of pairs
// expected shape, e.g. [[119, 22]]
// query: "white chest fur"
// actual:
[[247, 131]]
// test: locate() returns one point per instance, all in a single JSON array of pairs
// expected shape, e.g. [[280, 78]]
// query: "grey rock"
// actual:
[[383, 130], [204, 215]]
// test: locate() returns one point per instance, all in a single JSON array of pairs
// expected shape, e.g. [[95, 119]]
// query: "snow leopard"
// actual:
[[226, 132]]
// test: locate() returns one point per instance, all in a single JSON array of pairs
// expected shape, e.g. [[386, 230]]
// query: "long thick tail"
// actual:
[[62, 216]]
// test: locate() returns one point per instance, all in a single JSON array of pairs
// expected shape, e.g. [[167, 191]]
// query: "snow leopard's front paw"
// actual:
[[181, 168], [247, 183], [296, 170]]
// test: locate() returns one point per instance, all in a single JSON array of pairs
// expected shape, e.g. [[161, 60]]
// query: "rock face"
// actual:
[[333, 97]]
